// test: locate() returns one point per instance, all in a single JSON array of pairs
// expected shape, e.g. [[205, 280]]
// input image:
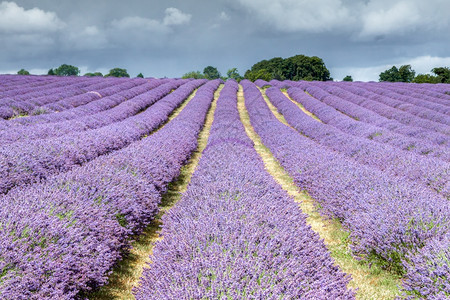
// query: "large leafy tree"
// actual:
[[117, 72], [406, 73], [443, 74], [390, 75], [426, 78], [403, 74], [298, 67], [347, 78], [234, 74], [66, 70], [211, 72], [23, 72]]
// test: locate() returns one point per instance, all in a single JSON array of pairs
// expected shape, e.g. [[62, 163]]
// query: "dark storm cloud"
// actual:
[[169, 38]]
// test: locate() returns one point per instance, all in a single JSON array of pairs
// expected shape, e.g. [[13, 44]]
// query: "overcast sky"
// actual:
[[170, 38]]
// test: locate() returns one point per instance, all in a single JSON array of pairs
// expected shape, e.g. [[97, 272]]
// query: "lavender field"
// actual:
[[85, 165]]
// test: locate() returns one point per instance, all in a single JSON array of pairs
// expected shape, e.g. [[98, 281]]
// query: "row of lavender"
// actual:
[[392, 221], [31, 99], [441, 91], [434, 120], [91, 103], [26, 84], [235, 234], [123, 103], [38, 105], [413, 94], [379, 114], [331, 116], [60, 238], [426, 171], [360, 121], [33, 160]]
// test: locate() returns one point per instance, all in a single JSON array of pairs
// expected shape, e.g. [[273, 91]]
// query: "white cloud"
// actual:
[[17, 20], [299, 15], [383, 17], [139, 23], [424, 64], [174, 16], [420, 64], [223, 16], [399, 17]]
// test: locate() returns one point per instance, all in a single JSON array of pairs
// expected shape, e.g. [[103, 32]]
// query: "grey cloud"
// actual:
[[172, 37], [360, 20]]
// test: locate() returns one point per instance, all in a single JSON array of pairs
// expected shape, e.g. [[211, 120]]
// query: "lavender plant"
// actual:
[[331, 116], [132, 101], [99, 97], [388, 218], [235, 234], [34, 160], [384, 115], [61, 237], [428, 172], [421, 98]]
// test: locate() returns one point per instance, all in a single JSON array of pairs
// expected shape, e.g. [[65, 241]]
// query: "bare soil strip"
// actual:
[[303, 108], [370, 282], [127, 273]]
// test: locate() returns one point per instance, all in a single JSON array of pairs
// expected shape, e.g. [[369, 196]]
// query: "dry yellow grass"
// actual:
[[371, 283], [303, 108], [127, 272]]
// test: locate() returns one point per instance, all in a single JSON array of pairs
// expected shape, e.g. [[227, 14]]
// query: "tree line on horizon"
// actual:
[[69, 70], [405, 73], [298, 67]]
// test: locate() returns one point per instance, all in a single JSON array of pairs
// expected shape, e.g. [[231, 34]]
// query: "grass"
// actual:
[[370, 282], [127, 272]]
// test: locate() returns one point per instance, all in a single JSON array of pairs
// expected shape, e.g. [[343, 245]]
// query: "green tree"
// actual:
[[306, 68], [140, 75], [51, 72], [263, 74], [347, 78], [67, 70], [211, 72], [94, 74], [426, 78], [23, 72], [298, 67], [117, 72], [443, 73], [234, 74], [390, 75], [194, 75], [404, 74]]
